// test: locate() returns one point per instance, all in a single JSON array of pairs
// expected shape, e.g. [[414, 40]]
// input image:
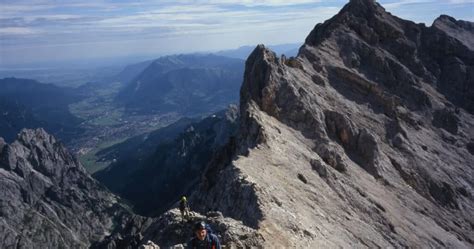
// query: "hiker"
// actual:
[[184, 207], [203, 239]]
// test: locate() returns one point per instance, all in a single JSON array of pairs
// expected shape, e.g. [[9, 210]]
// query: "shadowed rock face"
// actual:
[[47, 200], [364, 139], [167, 163]]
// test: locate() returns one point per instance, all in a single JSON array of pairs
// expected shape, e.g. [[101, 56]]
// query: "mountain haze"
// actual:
[[27, 103], [186, 84], [243, 52]]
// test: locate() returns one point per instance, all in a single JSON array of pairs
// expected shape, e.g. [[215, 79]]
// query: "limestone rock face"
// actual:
[[363, 140], [47, 200], [149, 245]]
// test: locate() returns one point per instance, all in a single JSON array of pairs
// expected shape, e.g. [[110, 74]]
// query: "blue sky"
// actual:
[[55, 30]]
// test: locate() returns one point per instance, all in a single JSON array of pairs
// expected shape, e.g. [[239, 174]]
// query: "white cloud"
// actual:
[[263, 2], [400, 3], [212, 19], [18, 31], [461, 1], [18, 9]]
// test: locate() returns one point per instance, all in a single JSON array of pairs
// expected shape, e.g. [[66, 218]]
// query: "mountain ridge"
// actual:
[[363, 113]]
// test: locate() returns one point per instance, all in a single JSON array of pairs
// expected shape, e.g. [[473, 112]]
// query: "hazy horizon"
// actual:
[[37, 31], [114, 60]]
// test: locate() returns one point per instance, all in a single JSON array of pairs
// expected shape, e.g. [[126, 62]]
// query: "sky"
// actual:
[[36, 31]]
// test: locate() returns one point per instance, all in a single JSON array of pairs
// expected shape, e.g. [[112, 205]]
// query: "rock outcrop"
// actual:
[[171, 231], [47, 199], [363, 140]]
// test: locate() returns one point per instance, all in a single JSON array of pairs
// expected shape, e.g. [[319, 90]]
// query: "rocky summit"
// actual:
[[47, 199], [363, 140]]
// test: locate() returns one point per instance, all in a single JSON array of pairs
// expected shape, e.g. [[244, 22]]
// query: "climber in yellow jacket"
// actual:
[[184, 207]]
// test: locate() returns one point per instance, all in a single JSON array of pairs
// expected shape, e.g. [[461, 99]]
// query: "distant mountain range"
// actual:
[[29, 104], [243, 52], [130, 72], [179, 85], [186, 84], [124, 69]]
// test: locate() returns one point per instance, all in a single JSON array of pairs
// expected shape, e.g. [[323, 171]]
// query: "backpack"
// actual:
[[209, 229]]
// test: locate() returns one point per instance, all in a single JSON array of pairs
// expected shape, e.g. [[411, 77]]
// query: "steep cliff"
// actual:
[[47, 199], [364, 139]]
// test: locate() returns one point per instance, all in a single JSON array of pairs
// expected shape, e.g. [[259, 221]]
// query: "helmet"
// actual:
[[183, 198], [200, 225]]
